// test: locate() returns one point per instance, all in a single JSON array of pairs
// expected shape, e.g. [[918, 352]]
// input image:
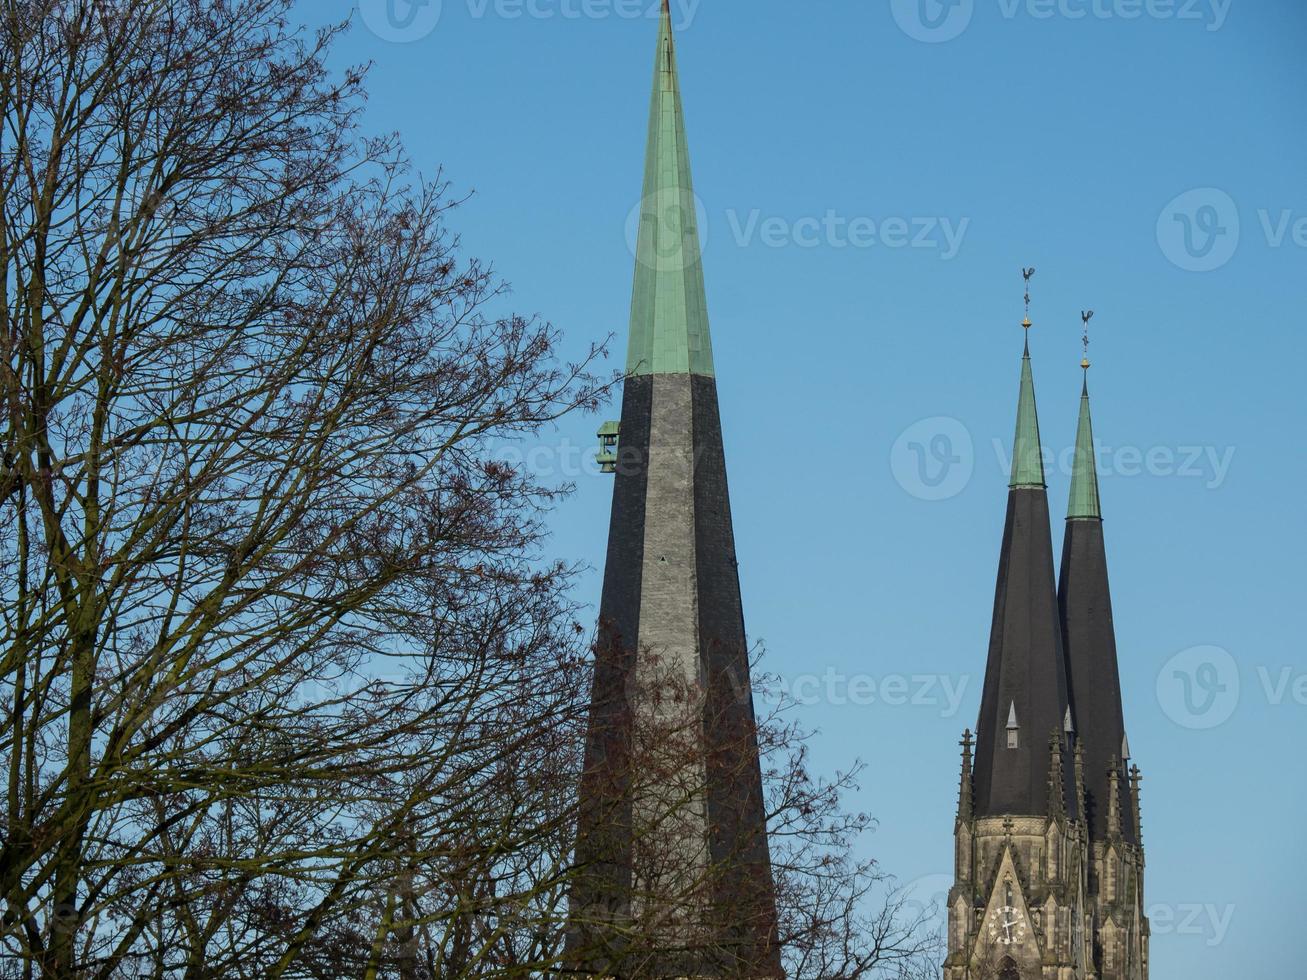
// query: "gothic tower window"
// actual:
[[1008, 970]]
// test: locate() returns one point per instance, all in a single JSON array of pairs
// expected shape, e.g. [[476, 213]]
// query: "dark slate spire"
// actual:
[[1025, 677], [1089, 637], [674, 872]]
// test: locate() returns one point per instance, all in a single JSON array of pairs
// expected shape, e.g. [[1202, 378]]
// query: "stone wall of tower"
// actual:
[[1040, 863]]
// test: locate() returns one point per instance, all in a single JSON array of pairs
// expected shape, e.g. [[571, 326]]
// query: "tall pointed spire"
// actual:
[[1027, 453], [1025, 679], [669, 312], [674, 869], [1088, 631], [1084, 502]]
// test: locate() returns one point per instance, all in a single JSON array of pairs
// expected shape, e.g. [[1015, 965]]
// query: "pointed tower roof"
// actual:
[[1025, 678], [1089, 637], [1027, 453], [669, 312], [1084, 502], [674, 864]]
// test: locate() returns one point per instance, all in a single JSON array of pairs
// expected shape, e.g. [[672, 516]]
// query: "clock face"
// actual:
[[1007, 926]]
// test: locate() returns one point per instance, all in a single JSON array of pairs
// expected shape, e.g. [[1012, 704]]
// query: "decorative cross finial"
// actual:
[[1027, 274], [1086, 316]]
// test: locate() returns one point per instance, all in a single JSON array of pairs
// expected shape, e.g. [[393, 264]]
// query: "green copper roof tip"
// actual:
[[1084, 503], [669, 309], [1027, 454]]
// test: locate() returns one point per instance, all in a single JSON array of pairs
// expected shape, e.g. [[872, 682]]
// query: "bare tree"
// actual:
[[275, 627], [287, 689]]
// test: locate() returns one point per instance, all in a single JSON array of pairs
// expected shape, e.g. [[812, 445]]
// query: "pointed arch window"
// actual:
[[1007, 970]]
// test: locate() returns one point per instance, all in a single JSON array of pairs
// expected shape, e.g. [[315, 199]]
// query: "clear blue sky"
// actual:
[[1036, 137]]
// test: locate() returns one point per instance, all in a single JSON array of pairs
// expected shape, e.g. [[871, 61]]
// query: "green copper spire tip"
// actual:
[[1027, 455], [1084, 473], [669, 311]]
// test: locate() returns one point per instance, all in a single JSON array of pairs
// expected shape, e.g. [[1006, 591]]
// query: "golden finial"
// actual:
[[1086, 316], [1027, 274]]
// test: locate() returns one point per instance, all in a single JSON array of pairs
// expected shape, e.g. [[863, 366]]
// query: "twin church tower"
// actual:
[[674, 869]]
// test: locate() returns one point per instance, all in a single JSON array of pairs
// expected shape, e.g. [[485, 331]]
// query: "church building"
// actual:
[[1049, 860]]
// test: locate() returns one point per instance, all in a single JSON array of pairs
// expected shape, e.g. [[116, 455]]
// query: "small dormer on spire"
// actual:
[[1013, 729]]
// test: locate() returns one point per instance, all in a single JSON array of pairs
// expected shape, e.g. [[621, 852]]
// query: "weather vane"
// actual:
[[1027, 274], [1086, 316]]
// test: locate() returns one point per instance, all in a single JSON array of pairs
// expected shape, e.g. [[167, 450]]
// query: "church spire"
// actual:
[[669, 312], [1027, 453], [674, 870], [1088, 632], [1084, 502], [1025, 695]]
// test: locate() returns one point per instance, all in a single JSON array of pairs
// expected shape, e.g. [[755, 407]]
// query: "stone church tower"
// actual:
[[1048, 850], [675, 873]]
